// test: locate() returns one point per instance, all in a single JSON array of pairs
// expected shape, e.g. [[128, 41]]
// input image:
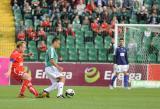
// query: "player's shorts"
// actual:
[[17, 74], [122, 68], [53, 72]]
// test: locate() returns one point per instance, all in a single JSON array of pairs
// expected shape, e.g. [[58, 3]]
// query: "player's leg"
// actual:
[[27, 84], [52, 77], [117, 70], [60, 86], [126, 76]]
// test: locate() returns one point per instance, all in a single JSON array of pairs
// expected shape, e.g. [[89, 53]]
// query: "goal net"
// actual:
[[143, 44]]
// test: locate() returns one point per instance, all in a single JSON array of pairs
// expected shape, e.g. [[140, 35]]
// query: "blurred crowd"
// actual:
[[61, 16]]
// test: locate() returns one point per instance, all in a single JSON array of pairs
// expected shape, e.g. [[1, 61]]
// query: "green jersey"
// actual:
[[50, 54]]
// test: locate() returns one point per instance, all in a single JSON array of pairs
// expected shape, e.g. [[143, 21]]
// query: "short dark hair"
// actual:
[[55, 39], [121, 39]]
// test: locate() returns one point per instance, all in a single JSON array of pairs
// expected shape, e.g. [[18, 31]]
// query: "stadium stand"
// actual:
[[85, 27]]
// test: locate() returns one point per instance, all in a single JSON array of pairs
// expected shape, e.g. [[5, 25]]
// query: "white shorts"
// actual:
[[122, 68], [53, 72]]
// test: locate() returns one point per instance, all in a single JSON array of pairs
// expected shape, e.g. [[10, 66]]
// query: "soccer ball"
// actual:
[[70, 92]]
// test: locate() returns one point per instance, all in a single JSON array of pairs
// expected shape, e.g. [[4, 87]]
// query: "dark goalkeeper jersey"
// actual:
[[121, 57]]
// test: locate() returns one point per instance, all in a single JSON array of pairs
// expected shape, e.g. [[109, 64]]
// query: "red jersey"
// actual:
[[17, 59]]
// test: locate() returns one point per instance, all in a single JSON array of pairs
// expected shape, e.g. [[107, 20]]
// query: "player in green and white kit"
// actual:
[[53, 70]]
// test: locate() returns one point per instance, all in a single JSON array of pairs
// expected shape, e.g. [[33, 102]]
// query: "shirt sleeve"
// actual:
[[13, 57]]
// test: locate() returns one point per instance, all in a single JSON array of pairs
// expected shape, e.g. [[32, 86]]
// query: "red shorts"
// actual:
[[17, 75]]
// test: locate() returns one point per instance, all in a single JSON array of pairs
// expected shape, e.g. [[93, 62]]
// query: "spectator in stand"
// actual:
[[69, 31], [104, 28], [90, 7], [113, 22], [32, 35], [27, 8], [76, 20], [59, 28], [86, 21], [80, 7], [42, 46], [21, 36], [153, 19], [46, 22], [29, 30], [142, 15], [95, 26], [35, 3], [37, 12], [42, 34]]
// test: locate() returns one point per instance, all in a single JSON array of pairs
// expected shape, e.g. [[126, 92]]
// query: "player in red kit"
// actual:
[[16, 69]]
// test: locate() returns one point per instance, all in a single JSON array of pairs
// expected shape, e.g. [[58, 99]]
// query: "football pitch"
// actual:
[[85, 98]]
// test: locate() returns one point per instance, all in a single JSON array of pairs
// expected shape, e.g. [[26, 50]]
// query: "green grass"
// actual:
[[85, 98]]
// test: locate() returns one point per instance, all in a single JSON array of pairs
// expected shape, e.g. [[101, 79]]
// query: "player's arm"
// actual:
[[8, 73], [56, 65], [28, 55]]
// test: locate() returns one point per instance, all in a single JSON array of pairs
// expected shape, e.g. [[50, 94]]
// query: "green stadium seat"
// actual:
[[110, 57], [79, 45], [79, 33], [73, 54], [26, 58], [70, 42], [76, 27], [49, 39], [98, 42], [88, 34], [83, 55], [92, 54], [107, 42], [36, 23], [31, 44], [85, 28], [28, 23], [102, 55], [89, 45], [64, 53], [42, 56], [35, 55], [152, 58]]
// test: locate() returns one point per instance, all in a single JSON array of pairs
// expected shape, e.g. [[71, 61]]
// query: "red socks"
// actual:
[[25, 84], [32, 89]]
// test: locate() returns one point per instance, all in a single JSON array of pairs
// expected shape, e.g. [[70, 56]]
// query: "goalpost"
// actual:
[[143, 44]]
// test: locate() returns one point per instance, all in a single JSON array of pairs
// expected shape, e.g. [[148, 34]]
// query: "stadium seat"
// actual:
[[35, 55], [110, 57], [152, 58], [26, 58], [88, 34], [83, 55], [98, 42], [92, 54], [89, 45], [85, 28], [70, 42], [31, 44], [49, 39], [73, 54], [102, 55], [42, 56], [79, 45], [28, 23], [64, 53], [107, 42]]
